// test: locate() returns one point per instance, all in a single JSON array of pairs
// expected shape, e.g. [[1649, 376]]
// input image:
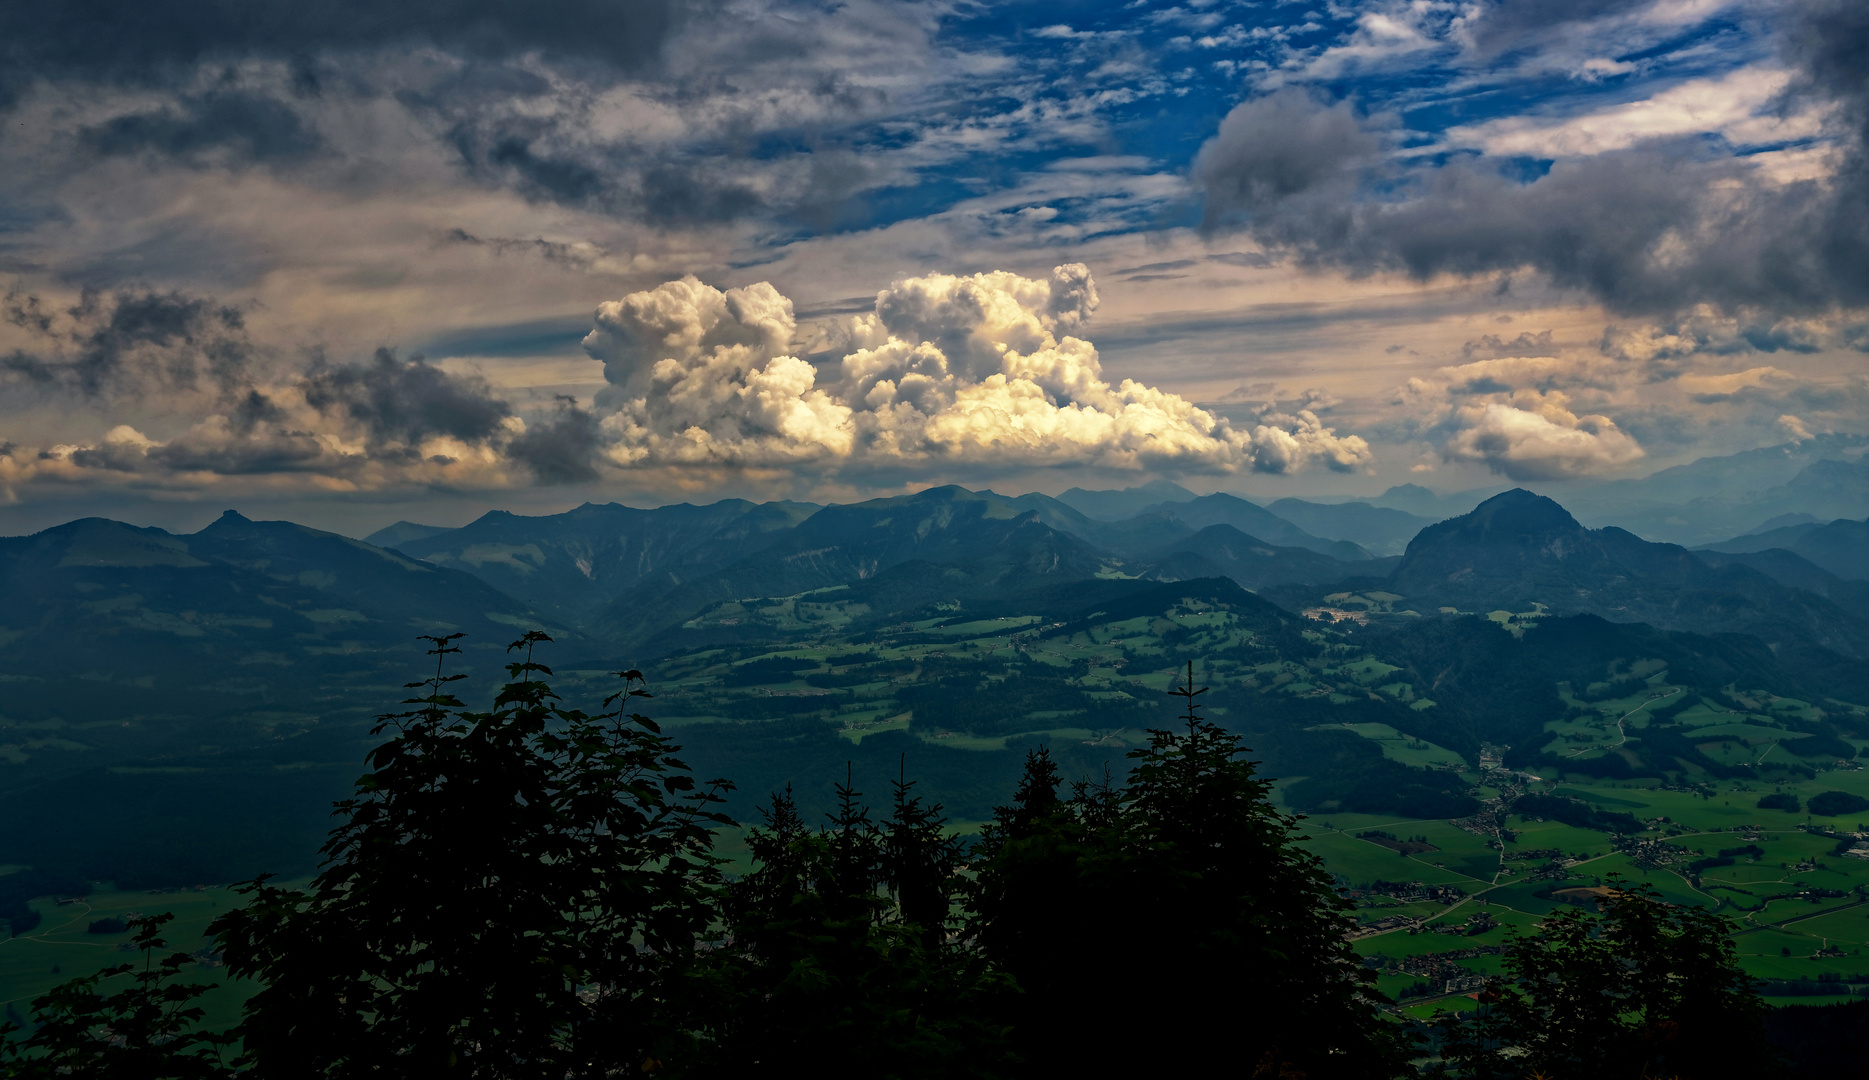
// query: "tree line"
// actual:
[[534, 891]]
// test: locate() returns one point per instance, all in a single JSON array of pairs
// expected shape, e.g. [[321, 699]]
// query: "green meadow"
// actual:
[[1798, 911]]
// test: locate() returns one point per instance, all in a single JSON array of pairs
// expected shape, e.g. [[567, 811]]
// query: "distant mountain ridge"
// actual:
[[1840, 547], [1380, 530], [627, 575], [1518, 552], [1222, 551], [116, 630], [1707, 500], [254, 653], [580, 561], [1117, 505], [1254, 520]]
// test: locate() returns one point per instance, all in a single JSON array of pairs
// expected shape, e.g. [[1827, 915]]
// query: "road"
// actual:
[[1623, 732]]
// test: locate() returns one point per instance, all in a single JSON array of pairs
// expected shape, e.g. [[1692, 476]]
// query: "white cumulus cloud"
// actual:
[[1535, 436], [984, 369]]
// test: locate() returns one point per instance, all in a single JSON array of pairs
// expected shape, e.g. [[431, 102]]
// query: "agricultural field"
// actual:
[[62, 947], [1386, 761], [1799, 908]]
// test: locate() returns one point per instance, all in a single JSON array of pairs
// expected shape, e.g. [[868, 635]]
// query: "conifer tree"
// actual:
[[507, 895], [1173, 924], [824, 973]]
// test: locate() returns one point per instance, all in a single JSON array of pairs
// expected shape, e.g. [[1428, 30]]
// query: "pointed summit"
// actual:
[[230, 522]]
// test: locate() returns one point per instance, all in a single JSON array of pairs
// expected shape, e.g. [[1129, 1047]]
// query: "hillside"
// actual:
[[845, 545], [227, 676], [1255, 520], [576, 563], [1840, 547], [1224, 551], [1517, 550], [233, 671], [1381, 530]]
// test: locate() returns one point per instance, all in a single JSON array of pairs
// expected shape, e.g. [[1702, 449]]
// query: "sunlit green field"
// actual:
[[61, 947], [1778, 933]]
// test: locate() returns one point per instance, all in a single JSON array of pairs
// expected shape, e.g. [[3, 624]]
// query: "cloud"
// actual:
[[250, 126], [402, 403], [560, 449], [384, 421], [1494, 347], [1277, 148], [129, 341], [1705, 330], [1516, 414], [985, 373], [1710, 388], [1742, 106], [984, 370], [1536, 437], [1636, 209], [1514, 24], [1509, 373], [146, 43]]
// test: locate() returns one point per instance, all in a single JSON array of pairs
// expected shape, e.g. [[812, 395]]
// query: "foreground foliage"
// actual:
[[505, 896], [1180, 902], [840, 955], [532, 891], [147, 1030], [1637, 988]]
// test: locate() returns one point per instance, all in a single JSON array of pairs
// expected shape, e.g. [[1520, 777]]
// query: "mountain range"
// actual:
[[235, 669], [1838, 547], [1822, 478]]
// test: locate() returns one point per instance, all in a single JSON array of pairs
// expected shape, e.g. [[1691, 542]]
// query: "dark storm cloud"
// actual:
[[254, 126], [156, 40], [1277, 148], [405, 401], [553, 177], [530, 338], [693, 195], [1654, 228], [561, 450], [1829, 42], [538, 160], [131, 341], [256, 453]]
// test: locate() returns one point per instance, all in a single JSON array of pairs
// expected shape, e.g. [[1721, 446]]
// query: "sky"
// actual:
[[350, 262]]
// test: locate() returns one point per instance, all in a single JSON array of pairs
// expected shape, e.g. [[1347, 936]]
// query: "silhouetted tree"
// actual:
[[1173, 925], [1638, 988], [148, 1030], [824, 974], [507, 895]]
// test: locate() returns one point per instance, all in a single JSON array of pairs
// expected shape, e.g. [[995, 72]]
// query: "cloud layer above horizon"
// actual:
[[844, 248], [983, 372]]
